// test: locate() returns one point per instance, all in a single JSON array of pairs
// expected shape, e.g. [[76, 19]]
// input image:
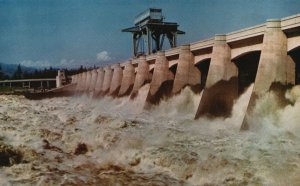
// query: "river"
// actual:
[[81, 141]]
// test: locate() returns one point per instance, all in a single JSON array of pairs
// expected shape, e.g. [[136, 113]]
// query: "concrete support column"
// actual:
[[88, 81], [83, 82], [162, 79], [273, 59], [93, 81], [142, 76], [290, 72], [186, 73], [273, 65], [74, 79], [127, 80], [99, 82], [79, 82], [222, 83], [58, 79], [116, 80], [107, 80], [220, 61]]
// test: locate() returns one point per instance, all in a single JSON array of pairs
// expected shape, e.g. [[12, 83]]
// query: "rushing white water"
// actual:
[[127, 145]]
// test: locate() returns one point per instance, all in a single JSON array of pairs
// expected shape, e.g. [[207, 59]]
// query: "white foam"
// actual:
[[163, 143]]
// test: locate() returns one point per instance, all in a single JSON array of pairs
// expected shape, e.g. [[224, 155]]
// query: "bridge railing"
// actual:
[[290, 22]]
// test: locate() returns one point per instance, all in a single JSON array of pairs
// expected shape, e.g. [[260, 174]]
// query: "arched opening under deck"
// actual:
[[203, 67], [247, 65], [295, 55], [173, 69]]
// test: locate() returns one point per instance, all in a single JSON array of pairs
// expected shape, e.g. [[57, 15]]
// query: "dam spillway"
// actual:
[[169, 118], [221, 68]]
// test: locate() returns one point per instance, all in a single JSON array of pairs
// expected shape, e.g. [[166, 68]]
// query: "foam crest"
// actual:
[[180, 106], [163, 144]]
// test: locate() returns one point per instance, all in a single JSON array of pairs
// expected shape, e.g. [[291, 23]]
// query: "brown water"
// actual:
[[79, 141]]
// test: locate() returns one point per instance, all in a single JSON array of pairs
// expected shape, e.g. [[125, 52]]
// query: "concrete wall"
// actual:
[[93, 81], [275, 70], [127, 80], [291, 73], [82, 83], [221, 85], [108, 73], [74, 78], [186, 73], [88, 81], [220, 61], [116, 80], [162, 80], [273, 64], [79, 81], [142, 76], [59, 79], [99, 82]]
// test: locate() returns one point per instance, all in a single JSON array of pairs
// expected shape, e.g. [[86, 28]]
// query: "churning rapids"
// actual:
[[80, 141]]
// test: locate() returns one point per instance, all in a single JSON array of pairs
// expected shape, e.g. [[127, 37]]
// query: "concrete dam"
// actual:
[[219, 68]]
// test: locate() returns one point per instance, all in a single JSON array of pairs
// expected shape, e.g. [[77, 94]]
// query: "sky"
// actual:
[[70, 33]]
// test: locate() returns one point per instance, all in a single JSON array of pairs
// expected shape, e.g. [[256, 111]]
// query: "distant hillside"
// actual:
[[9, 69]]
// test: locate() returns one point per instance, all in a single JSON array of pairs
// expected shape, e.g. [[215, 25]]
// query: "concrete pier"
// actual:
[[291, 72], [59, 77], [222, 84], [116, 80], [108, 73], [99, 82], [74, 78], [224, 67], [88, 81], [142, 76], [127, 80], [186, 74], [273, 65], [162, 80], [273, 60], [82, 84], [79, 81], [93, 82]]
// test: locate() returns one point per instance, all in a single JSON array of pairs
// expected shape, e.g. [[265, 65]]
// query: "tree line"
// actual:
[[40, 73], [2, 74]]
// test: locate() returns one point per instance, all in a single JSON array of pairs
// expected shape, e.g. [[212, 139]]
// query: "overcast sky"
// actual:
[[73, 32]]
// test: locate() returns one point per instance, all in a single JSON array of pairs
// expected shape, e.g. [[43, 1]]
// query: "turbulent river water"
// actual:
[[81, 141]]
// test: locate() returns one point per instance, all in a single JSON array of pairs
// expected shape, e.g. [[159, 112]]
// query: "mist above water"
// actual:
[[163, 145]]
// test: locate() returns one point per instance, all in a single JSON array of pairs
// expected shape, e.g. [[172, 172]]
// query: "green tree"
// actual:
[[1, 72], [18, 74]]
